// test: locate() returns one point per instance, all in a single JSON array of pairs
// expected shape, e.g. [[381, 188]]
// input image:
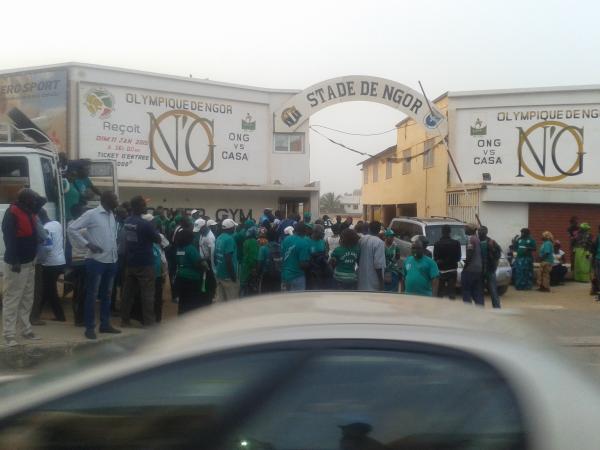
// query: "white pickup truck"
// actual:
[[31, 161]]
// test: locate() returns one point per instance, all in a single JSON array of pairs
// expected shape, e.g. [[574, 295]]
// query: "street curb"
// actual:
[[29, 356]]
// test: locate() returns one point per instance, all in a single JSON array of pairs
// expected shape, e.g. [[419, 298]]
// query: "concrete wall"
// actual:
[[284, 169], [235, 203], [425, 187]]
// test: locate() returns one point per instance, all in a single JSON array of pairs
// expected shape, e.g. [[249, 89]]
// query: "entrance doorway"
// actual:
[[389, 212], [407, 209], [289, 206]]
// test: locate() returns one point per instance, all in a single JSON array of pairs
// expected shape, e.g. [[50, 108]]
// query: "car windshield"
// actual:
[[434, 233]]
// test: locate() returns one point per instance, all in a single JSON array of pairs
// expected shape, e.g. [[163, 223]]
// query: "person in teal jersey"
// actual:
[[82, 181], [295, 251], [560, 269], [391, 277], [240, 236], [226, 262], [269, 263], [319, 273], [249, 281], [344, 260], [523, 265], [72, 196], [546, 260], [420, 272], [189, 273]]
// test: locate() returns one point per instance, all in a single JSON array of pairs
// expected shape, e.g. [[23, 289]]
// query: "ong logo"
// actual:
[[99, 102], [550, 151], [181, 143], [432, 121], [291, 116]]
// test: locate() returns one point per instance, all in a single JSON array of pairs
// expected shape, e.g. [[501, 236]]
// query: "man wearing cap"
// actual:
[[206, 246], [198, 225], [140, 235], [213, 226], [226, 263]]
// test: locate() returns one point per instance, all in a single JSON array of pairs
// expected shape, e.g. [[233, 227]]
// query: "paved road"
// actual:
[[568, 315]]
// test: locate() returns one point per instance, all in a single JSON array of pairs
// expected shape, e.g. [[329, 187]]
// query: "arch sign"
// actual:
[[359, 88]]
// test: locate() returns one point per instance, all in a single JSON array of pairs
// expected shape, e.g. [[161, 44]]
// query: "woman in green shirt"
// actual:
[[583, 246], [344, 260], [190, 273], [524, 261], [319, 272], [249, 264]]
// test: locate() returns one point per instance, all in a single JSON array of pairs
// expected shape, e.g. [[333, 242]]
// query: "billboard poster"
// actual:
[[42, 96], [168, 137], [529, 145]]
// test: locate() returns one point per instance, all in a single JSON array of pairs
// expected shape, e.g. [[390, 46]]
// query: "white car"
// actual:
[[314, 371], [407, 228]]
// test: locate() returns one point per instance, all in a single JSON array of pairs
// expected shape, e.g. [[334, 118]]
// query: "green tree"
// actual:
[[330, 203]]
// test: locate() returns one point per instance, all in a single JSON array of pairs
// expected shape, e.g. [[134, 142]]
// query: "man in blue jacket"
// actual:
[[19, 230]]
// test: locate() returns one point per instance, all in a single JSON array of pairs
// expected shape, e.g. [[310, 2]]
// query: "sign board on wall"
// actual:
[[42, 96], [527, 145], [359, 88], [165, 137]]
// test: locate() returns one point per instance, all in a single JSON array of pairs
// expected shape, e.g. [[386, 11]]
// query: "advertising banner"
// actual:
[[166, 137], [42, 96], [528, 145]]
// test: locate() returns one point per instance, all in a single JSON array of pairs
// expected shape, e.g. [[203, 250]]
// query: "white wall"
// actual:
[[538, 112], [504, 220], [287, 169]]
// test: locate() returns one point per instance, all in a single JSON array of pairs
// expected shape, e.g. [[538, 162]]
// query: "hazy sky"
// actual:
[[448, 45]]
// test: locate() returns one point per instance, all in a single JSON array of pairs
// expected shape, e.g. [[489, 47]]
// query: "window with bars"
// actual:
[[375, 173], [406, 161], [428, 154], [365, 174], [388, 169]]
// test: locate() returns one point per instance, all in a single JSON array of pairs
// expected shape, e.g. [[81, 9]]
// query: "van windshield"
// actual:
[[434, 233]]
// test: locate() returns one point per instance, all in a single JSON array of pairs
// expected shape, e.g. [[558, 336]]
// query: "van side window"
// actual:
[[49, 180], [14, 175]]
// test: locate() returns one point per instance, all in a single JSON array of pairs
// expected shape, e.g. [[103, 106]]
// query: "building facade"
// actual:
[[409, 178], [522, 158], [352, 204], [181, 142], [527, 158]]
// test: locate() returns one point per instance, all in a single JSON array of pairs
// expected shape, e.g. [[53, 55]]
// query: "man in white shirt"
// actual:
[[371, 265], [207, 252], [100, 264], [51, 257]]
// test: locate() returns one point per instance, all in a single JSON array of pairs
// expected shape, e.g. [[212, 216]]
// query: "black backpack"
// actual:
[[275, 259]]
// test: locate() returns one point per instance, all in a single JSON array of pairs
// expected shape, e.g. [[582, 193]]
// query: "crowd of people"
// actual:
[[122, 256], [585, 258]]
